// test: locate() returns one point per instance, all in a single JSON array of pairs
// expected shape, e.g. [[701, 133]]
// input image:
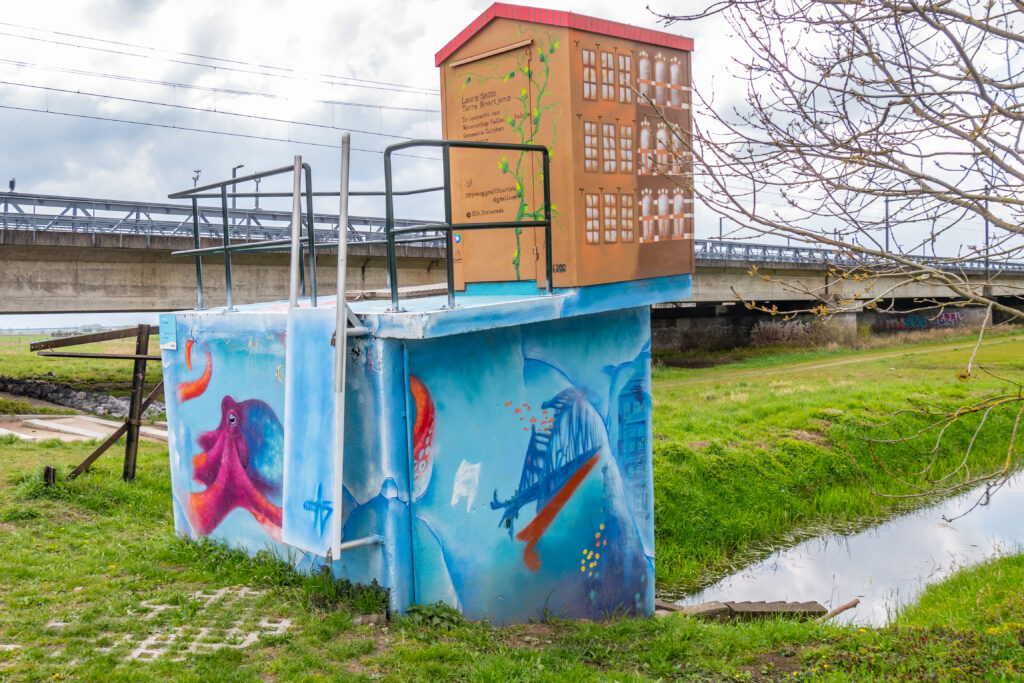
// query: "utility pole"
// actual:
[[720, 218], [195, 176], [258, 192]]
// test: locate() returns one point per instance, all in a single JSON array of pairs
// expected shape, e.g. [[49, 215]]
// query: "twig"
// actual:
[[981, 335]]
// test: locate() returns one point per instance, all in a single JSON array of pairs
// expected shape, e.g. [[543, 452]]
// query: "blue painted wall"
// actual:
[[507, 470]]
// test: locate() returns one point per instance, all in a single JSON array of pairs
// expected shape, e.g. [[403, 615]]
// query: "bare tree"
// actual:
[[879, 128]]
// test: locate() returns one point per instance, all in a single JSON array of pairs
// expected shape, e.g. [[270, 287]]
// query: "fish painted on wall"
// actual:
[[242, 466], [422, 435]]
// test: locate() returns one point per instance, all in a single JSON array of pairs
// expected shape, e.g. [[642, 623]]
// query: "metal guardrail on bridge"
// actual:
[[747, 252], [56, 214], [51, 213]]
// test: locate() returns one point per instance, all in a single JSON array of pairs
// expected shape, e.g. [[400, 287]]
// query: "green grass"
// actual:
[[84, 374], [13, 406], [757, 454], [752, 454]]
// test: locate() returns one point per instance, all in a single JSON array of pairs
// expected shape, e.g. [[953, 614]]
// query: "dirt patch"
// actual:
[[691, 363], [533, 636], [774, 666], [817, 438], [698, 445]]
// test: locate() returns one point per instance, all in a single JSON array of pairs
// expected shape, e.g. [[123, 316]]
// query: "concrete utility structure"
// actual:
[[490, 447]]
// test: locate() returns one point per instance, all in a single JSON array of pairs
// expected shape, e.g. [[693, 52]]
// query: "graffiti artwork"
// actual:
[[241, 466], [226, 436], [920, 321]]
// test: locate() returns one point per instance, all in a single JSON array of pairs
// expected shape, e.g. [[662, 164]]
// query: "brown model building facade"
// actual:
[[612, 103]]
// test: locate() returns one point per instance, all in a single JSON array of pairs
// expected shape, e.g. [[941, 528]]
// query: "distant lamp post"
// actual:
[[234, 188], [11, 184], [258, 192], [195, 177]]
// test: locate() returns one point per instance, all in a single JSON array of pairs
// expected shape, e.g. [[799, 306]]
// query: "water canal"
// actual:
[[887, 566]]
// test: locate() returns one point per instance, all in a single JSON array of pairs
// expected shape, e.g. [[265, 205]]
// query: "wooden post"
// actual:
[[112, 439], [135, 407]]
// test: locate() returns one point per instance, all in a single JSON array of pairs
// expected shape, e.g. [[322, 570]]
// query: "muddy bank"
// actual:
[[63, 395]]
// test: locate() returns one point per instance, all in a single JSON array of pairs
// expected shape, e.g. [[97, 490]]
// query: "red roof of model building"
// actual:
[[550, 17]]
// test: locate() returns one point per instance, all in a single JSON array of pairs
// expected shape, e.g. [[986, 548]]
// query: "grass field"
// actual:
[[84, 374], [762, 452], [748, 455]]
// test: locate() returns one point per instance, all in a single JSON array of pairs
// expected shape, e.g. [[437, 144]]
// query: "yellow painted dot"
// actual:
[[597, 556], [583, 569], [597, 535], [604, 543], [590, 554], [601, 527]]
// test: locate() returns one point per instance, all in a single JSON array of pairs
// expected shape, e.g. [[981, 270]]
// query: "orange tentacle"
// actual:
[[190, 390]]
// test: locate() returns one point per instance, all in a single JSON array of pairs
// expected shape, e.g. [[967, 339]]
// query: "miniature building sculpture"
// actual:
[[612, 104], [496, 454]]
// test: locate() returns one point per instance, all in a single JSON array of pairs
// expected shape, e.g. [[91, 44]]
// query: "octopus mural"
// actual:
[[242, 467]]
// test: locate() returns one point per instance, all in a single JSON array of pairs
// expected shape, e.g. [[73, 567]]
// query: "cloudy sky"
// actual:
[[267, 77]]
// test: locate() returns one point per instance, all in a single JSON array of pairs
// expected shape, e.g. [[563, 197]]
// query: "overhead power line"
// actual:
[[183, 107], [205, 88], [259, 70], [218, 59], [251, 136]]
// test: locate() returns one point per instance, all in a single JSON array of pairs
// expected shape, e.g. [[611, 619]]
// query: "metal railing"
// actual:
[[747, 252], [395, 231], [82, 215], [295, 242], [449, 226]]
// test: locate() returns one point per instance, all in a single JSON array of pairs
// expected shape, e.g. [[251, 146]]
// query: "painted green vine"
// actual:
[[532, 111]]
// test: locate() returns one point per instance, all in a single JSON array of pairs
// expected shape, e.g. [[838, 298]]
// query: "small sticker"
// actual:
[[168, 332], [458, 237]]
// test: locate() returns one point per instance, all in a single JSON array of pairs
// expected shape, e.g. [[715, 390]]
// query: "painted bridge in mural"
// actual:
[[75, 254], [559, 452]]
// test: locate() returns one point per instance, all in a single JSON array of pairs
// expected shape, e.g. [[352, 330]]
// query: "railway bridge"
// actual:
[[73, 254]]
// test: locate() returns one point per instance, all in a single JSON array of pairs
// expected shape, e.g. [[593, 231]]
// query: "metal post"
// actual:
[[389, 225], [131, 448], [234, 188], [720, 218], [987, 190], [199, 259], [309, 223], [546, 167], [227, 254], [293, 273], [341, 343], [449, 240]]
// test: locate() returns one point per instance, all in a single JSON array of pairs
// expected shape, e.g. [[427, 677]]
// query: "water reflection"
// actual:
[[886, 566]]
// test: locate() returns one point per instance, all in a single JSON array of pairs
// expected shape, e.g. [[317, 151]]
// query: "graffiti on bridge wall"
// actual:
[[919, 321]]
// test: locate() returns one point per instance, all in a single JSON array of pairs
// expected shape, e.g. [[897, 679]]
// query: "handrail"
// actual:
[[449, 226], [713, 249], [298, 243]]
